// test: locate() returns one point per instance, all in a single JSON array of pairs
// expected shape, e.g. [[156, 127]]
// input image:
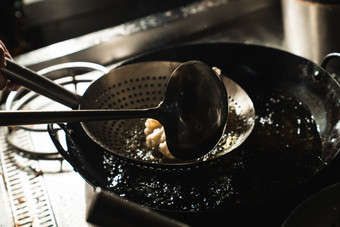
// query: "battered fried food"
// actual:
[[155, 137]]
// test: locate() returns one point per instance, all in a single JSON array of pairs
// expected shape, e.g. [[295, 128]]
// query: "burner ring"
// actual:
[[33, 141]]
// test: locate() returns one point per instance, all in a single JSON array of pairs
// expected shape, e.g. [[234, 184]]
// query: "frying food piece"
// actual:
[[217, 70], [155, 137]]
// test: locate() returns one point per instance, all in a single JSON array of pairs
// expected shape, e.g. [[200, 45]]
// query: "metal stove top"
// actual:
[[37, 192]]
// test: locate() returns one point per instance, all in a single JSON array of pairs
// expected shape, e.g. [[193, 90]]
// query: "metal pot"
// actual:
[[311, 27]]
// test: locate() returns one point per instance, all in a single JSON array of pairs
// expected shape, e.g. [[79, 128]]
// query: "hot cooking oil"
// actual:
[[283, 150], [282, 125]]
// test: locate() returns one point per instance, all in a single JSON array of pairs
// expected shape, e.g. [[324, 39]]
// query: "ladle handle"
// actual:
[[42, 85], [22, 117]]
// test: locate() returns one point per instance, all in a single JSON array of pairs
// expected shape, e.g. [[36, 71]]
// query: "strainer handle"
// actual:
[[42, 85], [28, 117]]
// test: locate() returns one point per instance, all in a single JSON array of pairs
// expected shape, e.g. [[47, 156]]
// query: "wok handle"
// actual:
[[108, 209], [328, 58], [55, 139], [42, 85], [23, 117]]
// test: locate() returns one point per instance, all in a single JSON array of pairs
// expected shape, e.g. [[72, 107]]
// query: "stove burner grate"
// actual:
[[76, 77], [26, 190]]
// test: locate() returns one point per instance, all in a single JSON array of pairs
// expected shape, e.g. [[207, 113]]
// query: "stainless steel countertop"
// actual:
[[249, 21]]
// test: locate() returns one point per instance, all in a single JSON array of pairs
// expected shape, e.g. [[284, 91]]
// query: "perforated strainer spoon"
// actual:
[[194, 111]]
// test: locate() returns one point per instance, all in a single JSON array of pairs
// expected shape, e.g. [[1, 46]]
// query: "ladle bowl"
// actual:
[[194, 111]]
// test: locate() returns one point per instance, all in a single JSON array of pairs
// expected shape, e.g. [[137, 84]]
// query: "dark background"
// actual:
[[31, 24]]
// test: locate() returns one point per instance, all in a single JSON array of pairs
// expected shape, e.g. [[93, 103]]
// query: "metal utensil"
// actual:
[[194, 120]]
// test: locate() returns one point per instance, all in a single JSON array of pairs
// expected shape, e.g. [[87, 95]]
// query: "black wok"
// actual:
[[266, 165]]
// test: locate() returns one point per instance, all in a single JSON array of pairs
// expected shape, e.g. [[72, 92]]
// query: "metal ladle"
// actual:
[[194, 111]]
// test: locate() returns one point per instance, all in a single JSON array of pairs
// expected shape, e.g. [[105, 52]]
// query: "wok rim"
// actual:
[[179, 163]]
